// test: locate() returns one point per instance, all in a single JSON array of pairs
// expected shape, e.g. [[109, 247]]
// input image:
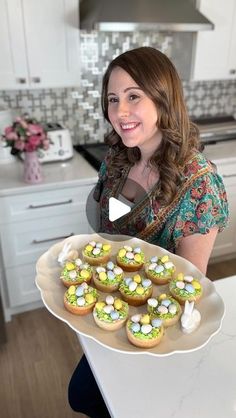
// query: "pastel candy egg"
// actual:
[[137, 250], [136, 318], [81, 301], [180, 285], [89, 298], [162, 296], [169, 265], [99, 306], [102, 276], [78, 262], [137, 257], [108, 309], [89, 248], [96, 251], [84, 274], [172, 309], [152, 266], [128, 248], [122, 253], [165, 258], [135, 327], [114, 315], [154, 259], [109, 300], [166, 302], [92, 243], [110, 275], [162, 309], [156, 322], [118, 271], [100, 269], [84, 285], [130, 255], [71, 290], [152, 302], [128, 280], [146, 329], [188, 279], [146, 282], [140, 290], [196, 284], [118, 304], [137, 278], [106, 247], [72, 274], [99, 245], [110, 265], [159, 269], [70, 266], [145, 319], [85, 266], [133, 286], [189, 287], [79, 291], [180, 276]]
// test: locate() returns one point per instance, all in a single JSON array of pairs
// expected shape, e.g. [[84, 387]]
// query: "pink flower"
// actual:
[[8, 129], [46, 144], [35, 129], [11, 136], [20, 145]]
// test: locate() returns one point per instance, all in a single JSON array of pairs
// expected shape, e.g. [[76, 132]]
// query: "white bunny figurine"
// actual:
[[190, 319], [63, 255]]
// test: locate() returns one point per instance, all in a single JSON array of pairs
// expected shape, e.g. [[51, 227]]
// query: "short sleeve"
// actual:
[[204, 206]]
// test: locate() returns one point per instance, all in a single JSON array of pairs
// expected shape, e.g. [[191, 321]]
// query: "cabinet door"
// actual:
[[52, 39], [212, 47], [13, 62]]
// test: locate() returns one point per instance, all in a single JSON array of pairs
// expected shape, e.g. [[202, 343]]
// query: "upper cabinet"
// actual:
[[215, 54], [39, 44]]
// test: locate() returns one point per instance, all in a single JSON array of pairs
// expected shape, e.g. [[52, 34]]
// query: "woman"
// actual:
[[178, 200]]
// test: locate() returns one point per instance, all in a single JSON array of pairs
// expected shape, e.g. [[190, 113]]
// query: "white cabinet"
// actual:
[[39, 43], [215, 53], [29, 224]]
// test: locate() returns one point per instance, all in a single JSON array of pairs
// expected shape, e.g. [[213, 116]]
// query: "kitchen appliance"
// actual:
[[6, 119], [218, 134], [60, 148]]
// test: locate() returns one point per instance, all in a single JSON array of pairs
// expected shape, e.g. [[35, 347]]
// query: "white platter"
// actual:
[[52, 290]]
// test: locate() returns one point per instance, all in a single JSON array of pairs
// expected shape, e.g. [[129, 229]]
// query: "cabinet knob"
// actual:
[[21, 80], [232, 71], [36, 80]]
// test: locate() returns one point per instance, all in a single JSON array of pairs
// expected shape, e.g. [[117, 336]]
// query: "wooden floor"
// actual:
[[39, 357]]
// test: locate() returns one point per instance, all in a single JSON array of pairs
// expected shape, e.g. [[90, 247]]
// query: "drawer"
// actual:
[[39, 205], [21, 285], [23, 243]]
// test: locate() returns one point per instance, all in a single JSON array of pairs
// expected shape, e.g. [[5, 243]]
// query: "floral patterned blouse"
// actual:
[[201, 204]]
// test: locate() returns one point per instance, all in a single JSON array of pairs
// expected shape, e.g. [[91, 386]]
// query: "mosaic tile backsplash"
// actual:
[[83, 115]]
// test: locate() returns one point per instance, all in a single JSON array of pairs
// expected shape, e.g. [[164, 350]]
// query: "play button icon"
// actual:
[[117, 209]]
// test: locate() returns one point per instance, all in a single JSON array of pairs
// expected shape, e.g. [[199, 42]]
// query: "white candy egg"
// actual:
[[128, 280], [154, 259], [169, 265], [180, 284], [146, 282], [162, 309], [129, 255], [80, 301], [159, 269], [84, 285], [100, 269], [137, 250], [172, 308], [152, 266], [156, 322], [108, 309], [188, 279], [96, 251], [99, 245], [146, 329], [118, 271], [110, 300], [128, 248], [152, 302], [92, 243], [166, 302], [136, 318], [72, 274], [133, 286], [78, 262], [110, 265]]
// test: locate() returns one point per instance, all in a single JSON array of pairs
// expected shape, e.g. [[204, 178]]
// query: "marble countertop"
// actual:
[[186, 385], [73, 172]]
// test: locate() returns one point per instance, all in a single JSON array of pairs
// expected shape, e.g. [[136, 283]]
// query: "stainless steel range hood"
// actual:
[[152, 15]]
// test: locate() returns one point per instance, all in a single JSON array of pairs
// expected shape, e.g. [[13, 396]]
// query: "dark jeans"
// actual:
[[83, 393]]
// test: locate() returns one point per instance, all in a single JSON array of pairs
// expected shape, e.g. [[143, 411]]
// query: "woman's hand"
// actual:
[[197, 248]]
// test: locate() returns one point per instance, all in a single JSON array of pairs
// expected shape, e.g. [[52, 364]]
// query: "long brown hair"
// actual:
[[155, 74]]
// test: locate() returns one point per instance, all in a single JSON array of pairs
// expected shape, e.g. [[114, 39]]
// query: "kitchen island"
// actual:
[[201, 383]]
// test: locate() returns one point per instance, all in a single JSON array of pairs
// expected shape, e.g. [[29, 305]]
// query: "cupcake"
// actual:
[[185, 288], [136, 290], [96, 253], [111, 313], [144, 331], [80, 300], [76, 272], [166, 308], [107, 278], [130, 259], [159, 269]]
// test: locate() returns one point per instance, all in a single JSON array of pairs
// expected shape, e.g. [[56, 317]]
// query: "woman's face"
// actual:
[[131, 112]]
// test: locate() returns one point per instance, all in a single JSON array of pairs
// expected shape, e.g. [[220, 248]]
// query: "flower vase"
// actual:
[[32, 168]]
